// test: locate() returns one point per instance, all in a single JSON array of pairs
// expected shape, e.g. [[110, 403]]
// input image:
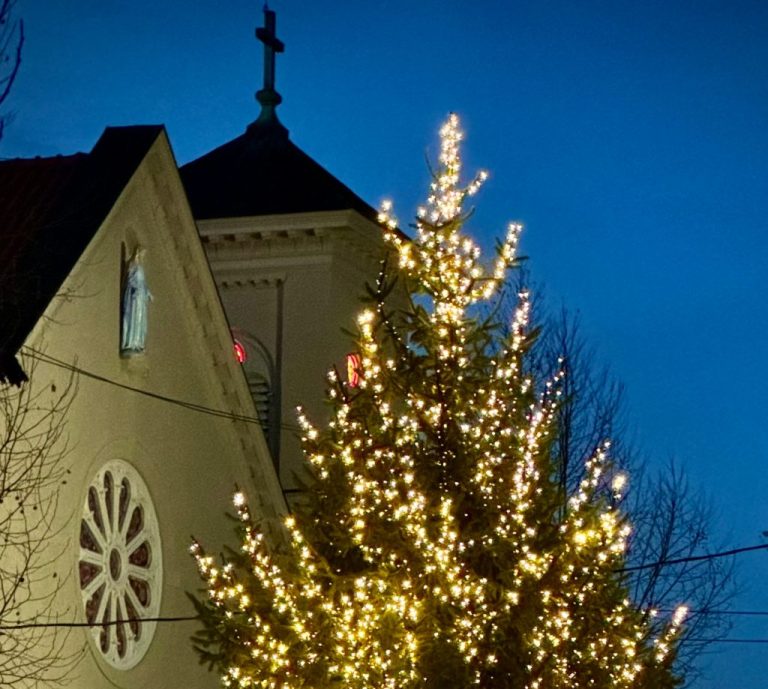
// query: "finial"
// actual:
[[267, 96]]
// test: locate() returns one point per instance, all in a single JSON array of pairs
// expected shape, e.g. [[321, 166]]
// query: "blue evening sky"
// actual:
[[629, 137]]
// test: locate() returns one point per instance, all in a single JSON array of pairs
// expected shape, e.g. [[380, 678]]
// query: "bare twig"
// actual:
[[33, 450], [670, 520], [11, 44]]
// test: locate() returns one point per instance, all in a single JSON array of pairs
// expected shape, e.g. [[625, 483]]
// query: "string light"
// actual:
[[435, 528]]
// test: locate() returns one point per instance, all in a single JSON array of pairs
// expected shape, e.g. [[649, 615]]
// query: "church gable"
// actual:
[[162, 427]]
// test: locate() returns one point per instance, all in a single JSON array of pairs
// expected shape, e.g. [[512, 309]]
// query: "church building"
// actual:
[[166, 323]]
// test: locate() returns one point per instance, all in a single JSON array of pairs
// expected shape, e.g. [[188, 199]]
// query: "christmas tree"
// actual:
[[436, 547]]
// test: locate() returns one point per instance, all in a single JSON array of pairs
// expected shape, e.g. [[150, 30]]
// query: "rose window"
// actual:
[[120, 566]]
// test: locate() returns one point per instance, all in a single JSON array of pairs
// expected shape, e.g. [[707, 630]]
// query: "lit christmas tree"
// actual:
[[435, 547]]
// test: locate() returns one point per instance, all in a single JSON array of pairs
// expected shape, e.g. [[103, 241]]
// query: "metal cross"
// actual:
[[272, 45]]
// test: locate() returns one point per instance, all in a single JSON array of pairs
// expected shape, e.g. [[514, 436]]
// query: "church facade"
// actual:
[[193, 310]]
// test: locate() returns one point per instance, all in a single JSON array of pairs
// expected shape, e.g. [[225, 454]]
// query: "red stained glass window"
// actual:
[[353, 370], [240, 354]]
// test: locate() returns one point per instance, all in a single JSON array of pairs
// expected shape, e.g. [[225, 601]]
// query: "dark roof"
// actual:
[[50, 209], [262, 172]]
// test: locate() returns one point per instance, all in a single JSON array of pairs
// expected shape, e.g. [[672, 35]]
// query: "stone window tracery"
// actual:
[[119, 564]]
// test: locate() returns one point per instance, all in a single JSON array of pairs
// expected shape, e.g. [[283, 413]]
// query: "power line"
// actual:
[[193, 406], [191, 618], [110, 623], [187, 618], [730, 641], [734, 613], [693, 558], [219, 413]]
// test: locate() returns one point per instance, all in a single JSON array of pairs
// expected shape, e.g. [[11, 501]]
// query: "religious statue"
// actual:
[[136, 298]]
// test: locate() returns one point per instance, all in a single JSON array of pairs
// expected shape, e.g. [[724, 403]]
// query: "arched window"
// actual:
[[261, 375]]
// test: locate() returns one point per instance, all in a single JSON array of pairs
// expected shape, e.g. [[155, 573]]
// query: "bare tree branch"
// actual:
[[33, 449], [11, 44], [670, 520]]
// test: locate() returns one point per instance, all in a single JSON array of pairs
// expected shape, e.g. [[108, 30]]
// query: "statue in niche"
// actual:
[[136, 298]]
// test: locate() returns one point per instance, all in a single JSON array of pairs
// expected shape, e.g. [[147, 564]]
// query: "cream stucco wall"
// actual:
[[322, 262], [189, 460]]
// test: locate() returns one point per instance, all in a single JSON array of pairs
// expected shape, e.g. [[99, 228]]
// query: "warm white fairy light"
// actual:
[[439, 558]]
